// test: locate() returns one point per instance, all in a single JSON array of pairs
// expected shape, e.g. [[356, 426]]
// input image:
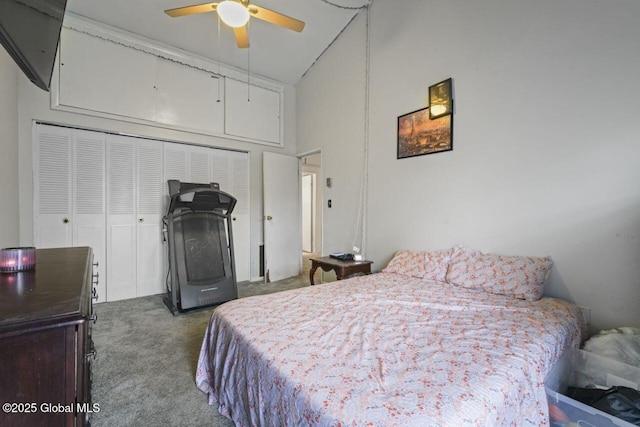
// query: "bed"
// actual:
[[419, 344]]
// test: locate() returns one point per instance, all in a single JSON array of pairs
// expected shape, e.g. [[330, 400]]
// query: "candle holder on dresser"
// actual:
[[13, 260]]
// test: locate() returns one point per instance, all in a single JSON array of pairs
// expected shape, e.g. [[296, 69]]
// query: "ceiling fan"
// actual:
[[236, 14]]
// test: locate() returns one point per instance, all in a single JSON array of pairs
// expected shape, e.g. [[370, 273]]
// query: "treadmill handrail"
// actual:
[[187, 211], [176, 203]]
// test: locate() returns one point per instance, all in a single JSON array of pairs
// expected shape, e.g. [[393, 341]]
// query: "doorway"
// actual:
[[311, 210]]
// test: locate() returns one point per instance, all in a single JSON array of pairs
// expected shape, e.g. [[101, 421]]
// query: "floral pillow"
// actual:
[[517, 276], [423, 265], [407, 263], [437, 264]]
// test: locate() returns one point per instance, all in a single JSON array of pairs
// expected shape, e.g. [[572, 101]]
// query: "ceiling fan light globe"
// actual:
[[232, 13]]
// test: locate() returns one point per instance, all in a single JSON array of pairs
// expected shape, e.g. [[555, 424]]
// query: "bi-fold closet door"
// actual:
[[110, 192], [230, 169], [69, 192], [134, 217]]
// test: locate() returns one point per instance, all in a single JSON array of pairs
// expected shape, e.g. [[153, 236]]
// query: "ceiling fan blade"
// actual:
[[276, 18], [242, 37], [191, 10]]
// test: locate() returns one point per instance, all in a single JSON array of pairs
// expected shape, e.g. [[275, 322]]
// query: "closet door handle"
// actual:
[[140, 220]]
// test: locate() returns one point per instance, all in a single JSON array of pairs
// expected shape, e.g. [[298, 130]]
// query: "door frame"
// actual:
[[318, 226], [310, 192]]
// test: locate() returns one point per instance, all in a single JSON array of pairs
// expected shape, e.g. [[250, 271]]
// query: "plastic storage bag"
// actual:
[[621, 344]]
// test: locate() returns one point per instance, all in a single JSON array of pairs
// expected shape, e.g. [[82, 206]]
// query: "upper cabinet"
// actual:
[[102, 77], [189, 98], [252, 111], [103, 73]]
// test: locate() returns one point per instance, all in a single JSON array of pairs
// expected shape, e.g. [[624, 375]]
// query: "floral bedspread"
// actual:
[[384, 350]]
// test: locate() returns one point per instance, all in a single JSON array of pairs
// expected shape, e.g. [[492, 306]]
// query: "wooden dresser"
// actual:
[[45, 340]]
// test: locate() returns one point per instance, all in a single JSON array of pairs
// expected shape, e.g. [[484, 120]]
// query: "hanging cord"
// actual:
[[219, 58], [348, 7], [248, 67], [364, 183], [365, 192]]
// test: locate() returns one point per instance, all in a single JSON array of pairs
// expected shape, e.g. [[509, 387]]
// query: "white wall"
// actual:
[[34, 104], [330, 117], [9, 218], [545, 160]]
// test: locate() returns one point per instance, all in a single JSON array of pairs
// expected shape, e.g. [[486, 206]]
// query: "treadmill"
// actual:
[[200, 240]]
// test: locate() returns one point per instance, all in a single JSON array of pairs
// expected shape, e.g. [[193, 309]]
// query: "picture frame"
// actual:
[[440, 99], [418, 135]]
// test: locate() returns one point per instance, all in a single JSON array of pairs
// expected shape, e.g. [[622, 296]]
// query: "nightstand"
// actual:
[[343, 269]]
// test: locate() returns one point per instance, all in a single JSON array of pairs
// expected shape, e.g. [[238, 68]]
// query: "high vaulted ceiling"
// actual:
[[275, 52]]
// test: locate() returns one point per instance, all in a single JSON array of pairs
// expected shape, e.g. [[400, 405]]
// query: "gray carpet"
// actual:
[[144, 374]]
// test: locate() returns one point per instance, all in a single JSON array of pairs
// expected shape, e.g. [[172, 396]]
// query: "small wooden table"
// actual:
[[343, 269]]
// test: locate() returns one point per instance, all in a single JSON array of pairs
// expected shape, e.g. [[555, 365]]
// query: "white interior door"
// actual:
[[282, 228]]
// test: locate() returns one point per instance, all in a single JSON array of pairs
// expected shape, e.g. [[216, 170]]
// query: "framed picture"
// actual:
[[418, 135], [440, 101]]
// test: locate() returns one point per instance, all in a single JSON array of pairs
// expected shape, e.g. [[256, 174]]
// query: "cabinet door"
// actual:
[[89, 214], [150, 255], [189, 98], [102, 76], [121, 218], [252, 111], [52, 186]]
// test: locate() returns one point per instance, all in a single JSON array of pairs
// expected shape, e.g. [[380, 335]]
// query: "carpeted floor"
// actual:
[[144, 374]]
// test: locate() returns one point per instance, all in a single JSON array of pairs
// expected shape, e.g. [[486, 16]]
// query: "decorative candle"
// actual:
[[17, 259]]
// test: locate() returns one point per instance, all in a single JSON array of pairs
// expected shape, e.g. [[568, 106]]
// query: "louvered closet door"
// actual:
[[239, 177], [175, 166], [221, 169], [69, 190], [230, 169], [199, 165], [89, 199], [150, 254], [52, 187], [121, 218]]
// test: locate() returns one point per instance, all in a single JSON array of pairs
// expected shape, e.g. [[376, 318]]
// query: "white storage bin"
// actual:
[[579, 368]]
